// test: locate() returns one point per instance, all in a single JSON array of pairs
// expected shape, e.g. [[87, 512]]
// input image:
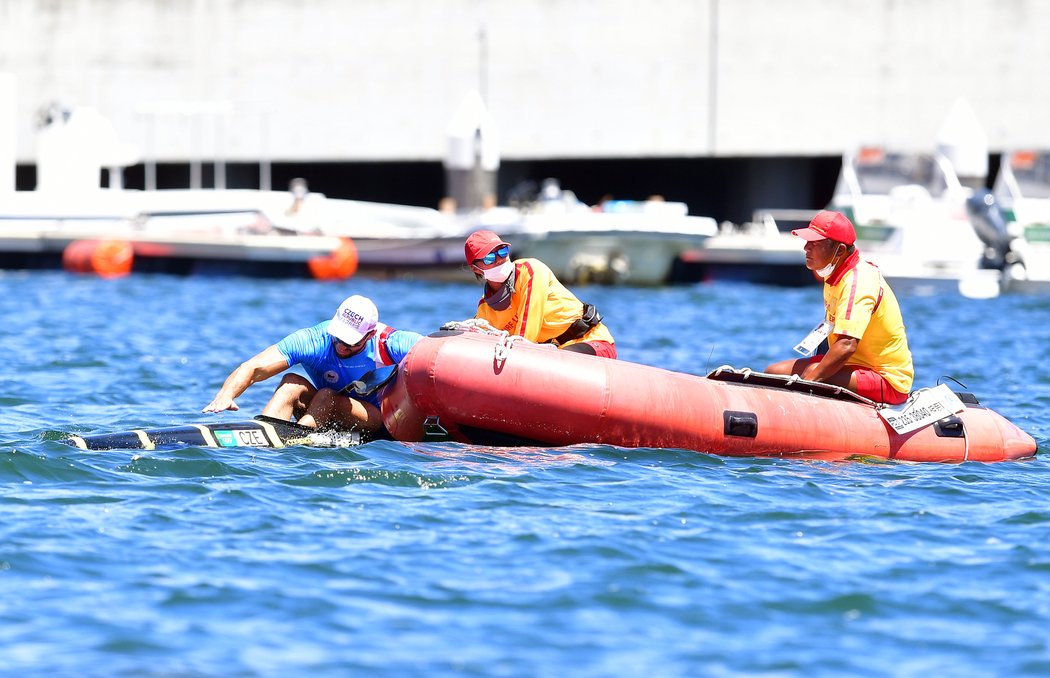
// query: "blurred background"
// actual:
[[724, 105]]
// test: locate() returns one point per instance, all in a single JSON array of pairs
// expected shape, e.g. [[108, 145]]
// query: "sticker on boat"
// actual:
[[923, 408], [242, 438]]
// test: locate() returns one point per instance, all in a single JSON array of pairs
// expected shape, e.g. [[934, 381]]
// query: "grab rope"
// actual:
[[506, 339], [472, 325], [504, 345], [910, 399]]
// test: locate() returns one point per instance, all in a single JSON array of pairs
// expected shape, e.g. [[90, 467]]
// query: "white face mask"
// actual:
[[500, 273], [830, 268], [826, 271]]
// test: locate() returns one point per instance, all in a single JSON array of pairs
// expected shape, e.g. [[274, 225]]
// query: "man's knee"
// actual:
[[296, 380], [782, 367], [291, 397], [326, 396]]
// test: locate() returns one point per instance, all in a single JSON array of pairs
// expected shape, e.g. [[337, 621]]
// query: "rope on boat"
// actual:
[[504, 345], [472, 325], [506, 339]]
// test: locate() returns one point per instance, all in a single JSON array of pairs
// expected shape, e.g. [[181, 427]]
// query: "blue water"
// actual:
[[442, 559]]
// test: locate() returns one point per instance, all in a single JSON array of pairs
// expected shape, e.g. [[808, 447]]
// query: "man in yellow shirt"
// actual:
[[868, 350], [524, 298]]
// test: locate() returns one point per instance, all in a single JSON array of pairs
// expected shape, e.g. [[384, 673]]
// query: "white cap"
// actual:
[[356, 317]]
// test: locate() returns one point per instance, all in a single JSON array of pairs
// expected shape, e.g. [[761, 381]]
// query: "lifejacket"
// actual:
[[383, 332]]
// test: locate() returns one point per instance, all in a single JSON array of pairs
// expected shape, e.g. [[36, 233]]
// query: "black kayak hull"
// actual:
[[265, 432]]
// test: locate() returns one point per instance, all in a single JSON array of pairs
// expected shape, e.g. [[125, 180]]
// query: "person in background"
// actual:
[[334, 353], [524, 298], [868, 350]]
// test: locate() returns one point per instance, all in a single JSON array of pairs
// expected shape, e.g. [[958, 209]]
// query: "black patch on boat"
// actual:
[[740, 424], [950, 427]]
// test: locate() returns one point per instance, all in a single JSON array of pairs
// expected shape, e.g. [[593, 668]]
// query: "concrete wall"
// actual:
[[351, 80]]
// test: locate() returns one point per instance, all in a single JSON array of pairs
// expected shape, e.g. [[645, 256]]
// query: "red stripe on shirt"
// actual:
[[524, 322], [852, 295]]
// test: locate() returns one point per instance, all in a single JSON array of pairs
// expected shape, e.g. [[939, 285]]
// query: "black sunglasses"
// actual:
[[339, 342]]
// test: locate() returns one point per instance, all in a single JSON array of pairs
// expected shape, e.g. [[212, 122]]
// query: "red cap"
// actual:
[[481, 243], [831, 225]]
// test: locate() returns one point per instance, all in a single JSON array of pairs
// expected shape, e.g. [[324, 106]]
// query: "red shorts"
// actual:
[[872, 385], [602, 349]]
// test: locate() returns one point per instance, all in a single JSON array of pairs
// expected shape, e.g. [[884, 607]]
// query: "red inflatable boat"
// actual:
[[474, 387]]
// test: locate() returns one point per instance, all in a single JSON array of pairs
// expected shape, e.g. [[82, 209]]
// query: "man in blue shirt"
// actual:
[[334, 354]]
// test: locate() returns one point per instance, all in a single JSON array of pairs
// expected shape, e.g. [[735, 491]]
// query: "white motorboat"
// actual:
[[761, 251], [911, 218], [616, 242], [909, 209], [171, 231], [1022, 192], [910, 214], [214, 230]]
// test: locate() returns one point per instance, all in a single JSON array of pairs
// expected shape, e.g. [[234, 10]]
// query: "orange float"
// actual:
[[104, 258], [339, 264], [472, 387]]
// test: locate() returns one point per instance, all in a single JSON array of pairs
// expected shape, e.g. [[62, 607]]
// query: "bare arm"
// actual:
[[255, 369], [834, 361]]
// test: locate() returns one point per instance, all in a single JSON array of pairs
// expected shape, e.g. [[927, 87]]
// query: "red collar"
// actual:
[[848, 264]]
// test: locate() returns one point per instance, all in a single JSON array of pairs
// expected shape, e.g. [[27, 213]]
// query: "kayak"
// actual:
[[262, 431]]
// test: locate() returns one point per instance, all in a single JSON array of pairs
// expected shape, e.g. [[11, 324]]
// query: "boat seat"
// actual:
[[791, 382]]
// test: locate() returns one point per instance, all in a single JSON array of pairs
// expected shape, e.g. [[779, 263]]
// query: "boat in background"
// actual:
[[616, 242], [71, 221], [181, 231], [910, 213], [1019, 205], [761, 251], [391, 240], [631, 242]]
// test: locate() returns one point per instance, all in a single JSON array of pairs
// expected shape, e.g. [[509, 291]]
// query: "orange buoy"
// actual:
[[104, 258], [339, 264]]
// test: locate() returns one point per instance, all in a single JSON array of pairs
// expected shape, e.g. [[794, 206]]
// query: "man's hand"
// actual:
[[221, 404]]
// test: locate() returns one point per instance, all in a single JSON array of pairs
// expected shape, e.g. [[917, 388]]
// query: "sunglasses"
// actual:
[[491, 257], [354, 347]]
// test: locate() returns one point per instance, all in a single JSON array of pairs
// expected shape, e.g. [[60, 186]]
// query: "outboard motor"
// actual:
[[990, 225]]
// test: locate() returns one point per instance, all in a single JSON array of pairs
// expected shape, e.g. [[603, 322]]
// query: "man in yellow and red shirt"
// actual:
[[868, 350], [524, 298]]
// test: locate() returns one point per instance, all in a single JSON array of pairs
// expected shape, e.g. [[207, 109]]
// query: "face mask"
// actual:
[[830, 268], [826, 271], [500, 299], [500, 273]]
